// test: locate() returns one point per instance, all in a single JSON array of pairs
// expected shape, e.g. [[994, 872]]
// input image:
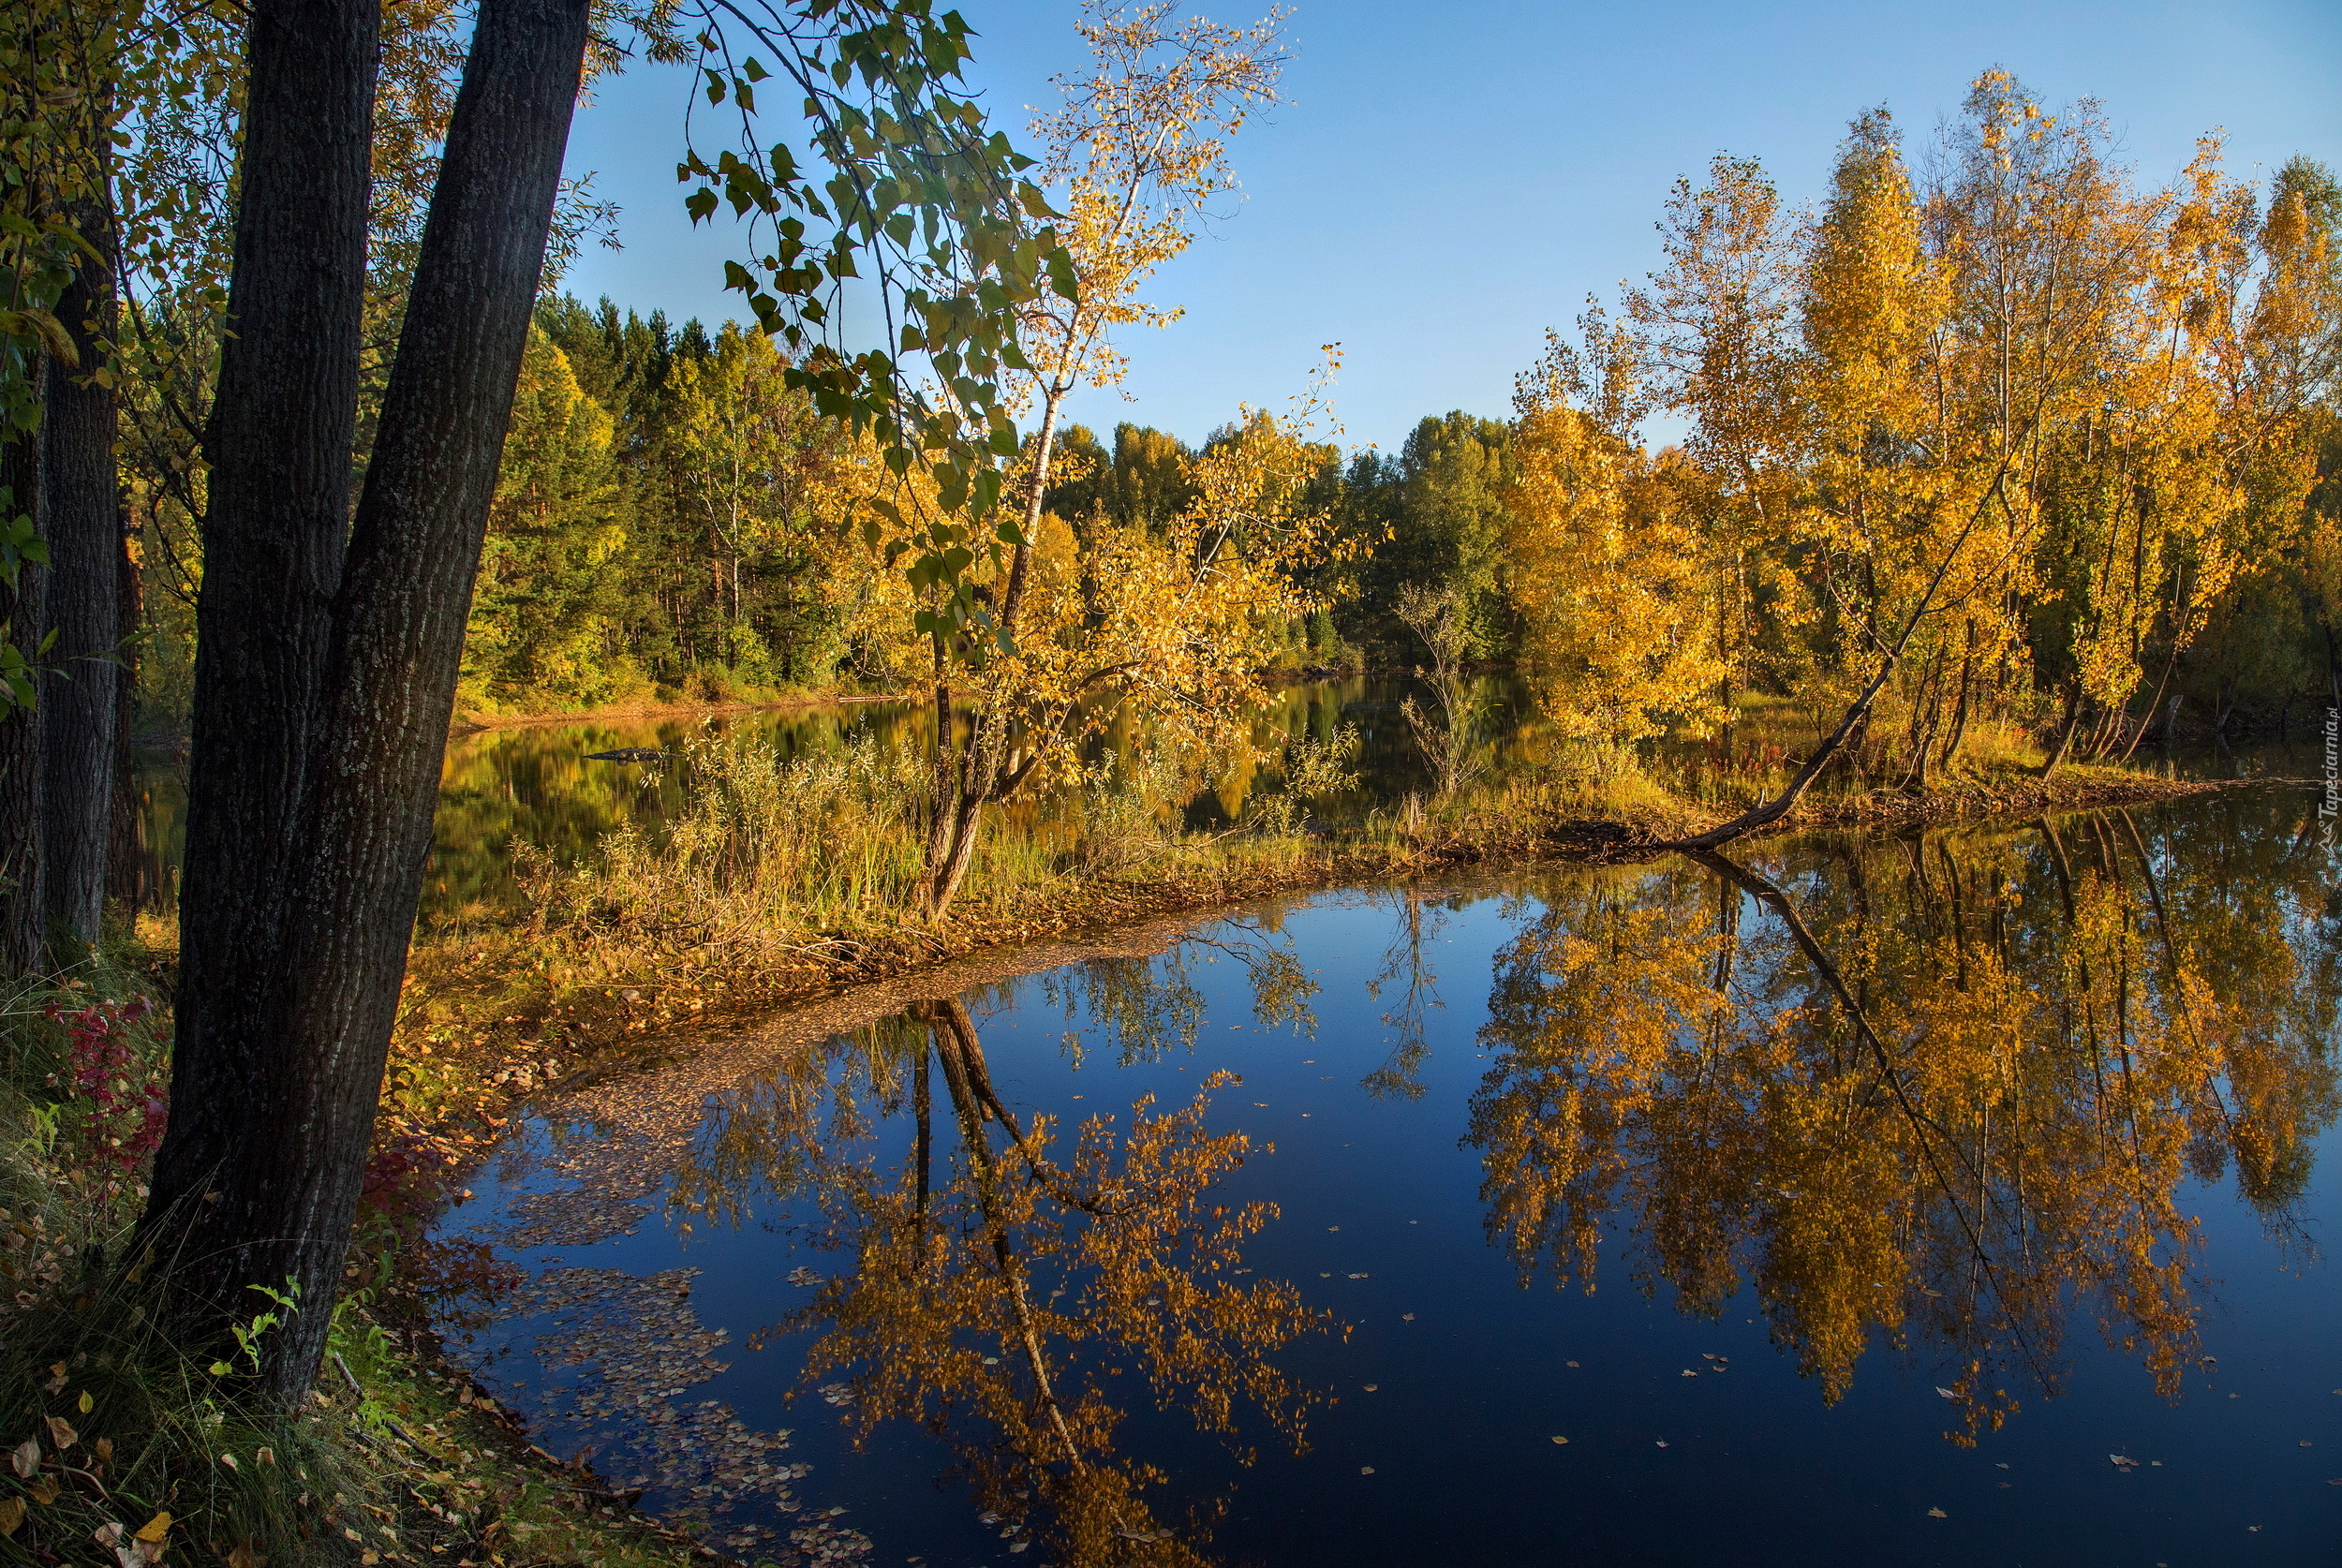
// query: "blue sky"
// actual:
[[1450, 180]]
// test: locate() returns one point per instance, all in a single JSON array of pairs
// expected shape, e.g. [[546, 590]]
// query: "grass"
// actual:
[[123, 1451]]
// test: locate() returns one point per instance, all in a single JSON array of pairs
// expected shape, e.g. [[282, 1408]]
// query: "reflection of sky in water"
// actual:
[[1744, 1465]]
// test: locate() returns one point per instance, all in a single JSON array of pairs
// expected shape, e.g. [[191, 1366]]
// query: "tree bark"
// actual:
[[25, 613], [283, 423], [278, 1112], [126, 858], [85, 534]]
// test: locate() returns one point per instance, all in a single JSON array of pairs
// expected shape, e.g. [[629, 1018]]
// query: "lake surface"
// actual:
[[1953, 1196]]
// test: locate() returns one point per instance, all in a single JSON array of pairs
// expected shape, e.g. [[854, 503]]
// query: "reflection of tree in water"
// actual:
[[1006, 1275], [1411, 987], [1146, 1007], [1943, 1089]]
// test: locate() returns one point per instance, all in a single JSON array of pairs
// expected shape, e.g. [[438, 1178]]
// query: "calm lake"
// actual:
[[1953, 1196]]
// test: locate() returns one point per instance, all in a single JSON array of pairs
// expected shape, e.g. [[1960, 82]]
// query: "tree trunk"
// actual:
[[85, 534], [2067, 726], [382, 698], [126, 858], [24, 614], [283, 424]]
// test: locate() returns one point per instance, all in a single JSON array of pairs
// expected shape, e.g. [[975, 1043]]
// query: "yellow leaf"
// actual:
[[156, 1528], [86, 1404], [65, 1435], [12, 1514]]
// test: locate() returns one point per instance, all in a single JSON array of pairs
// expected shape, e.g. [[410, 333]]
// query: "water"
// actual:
[[1933, 1197]]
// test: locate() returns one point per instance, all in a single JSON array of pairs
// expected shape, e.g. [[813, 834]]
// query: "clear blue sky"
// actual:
[[1449, 180]]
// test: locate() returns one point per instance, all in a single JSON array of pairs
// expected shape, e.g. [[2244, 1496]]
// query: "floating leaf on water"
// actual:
[[1689, 1373], [2304, 1442], [1366, 1470], [1663, 1443], [1409, 1317], [1357, 1277], [1947, 1392], [1372, 1386], [1998, 1466], [1569, 1364], [1565, 1440], [1937, 1514]]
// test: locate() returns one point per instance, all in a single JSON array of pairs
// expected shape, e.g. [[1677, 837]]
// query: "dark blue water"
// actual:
[[1746, 1191]]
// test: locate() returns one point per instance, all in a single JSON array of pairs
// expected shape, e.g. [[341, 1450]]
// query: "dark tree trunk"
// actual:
[[126, 847], [85, 534], [25, 613], [383, 694], [279, 444]]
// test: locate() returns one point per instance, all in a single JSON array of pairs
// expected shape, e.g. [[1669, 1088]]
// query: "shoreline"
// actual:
[[474, 723], [619, 1018]]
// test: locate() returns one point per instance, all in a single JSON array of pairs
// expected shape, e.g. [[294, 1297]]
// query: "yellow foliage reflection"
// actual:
[[1944, 1097], [995, 1286]]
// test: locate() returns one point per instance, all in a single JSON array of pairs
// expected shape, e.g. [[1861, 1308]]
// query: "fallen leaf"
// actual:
[[156, 1528], [12, 1514], [1569, 1364], [1689, 1373], [1565, 1440], [1366, 1470], [85, 1404], [1937, 1514], [1372, 1386], [27, 1457], [1409, 1317], [1663, 1443], [1947, 1392], [65, 1436]]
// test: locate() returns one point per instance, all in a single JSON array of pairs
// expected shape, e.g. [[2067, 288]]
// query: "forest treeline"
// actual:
[[674, 524], [2053, 451]]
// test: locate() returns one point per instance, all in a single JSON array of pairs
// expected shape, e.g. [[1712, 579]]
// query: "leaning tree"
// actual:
[[330, 628]]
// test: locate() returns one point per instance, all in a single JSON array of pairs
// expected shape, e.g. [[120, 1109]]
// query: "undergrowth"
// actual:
[[122, 1450]]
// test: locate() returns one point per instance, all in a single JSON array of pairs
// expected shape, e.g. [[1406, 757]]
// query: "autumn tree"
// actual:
[[1137, 152], [1616, 580]]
